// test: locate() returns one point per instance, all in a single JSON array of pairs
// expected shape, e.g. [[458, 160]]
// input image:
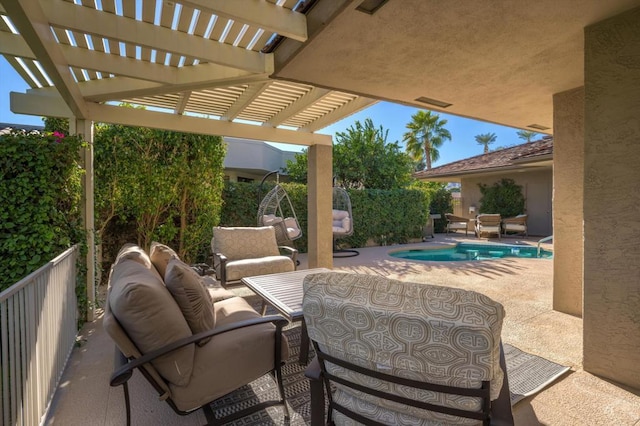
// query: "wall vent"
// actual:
[[371, 6], [433, 102]]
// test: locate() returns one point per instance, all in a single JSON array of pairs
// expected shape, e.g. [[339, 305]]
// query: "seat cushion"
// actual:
[[262, 266], [430, 333], [514, 227], [192, 297], [245, 242], [160, 255], [151, 318], [231, 359]]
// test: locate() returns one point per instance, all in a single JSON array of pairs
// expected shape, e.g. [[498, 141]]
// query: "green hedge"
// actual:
[[40, 190], [383, 216]]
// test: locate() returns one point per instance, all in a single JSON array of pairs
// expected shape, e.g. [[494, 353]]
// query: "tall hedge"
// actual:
[[381, 216], [40, 190], [157, 185]]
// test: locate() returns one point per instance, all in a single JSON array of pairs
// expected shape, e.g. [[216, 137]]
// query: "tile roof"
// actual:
[[506, 157]]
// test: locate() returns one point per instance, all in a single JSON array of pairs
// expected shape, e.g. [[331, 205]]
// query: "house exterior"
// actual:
[[530, 165], [249, 160]]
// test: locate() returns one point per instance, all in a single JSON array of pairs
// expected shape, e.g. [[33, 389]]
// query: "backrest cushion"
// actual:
[[135, 253], [151, 318], [245, 242], [160, 256], [192, 297], [430, 333]]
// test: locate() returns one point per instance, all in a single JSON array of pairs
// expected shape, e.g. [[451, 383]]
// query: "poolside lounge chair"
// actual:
[[456, 222], [488, 224], [392, 352], [516, 224]]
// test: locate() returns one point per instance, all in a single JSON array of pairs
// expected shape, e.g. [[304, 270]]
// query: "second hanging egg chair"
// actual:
[[277, 210], [342, 218]]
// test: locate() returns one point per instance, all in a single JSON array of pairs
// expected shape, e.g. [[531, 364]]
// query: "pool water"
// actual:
[[467, 252]]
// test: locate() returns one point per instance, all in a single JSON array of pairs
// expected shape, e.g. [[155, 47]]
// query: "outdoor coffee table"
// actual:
[[284, 293]]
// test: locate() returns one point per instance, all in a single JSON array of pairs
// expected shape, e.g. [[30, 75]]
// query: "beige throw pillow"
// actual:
[[160, 255], [191, 295]]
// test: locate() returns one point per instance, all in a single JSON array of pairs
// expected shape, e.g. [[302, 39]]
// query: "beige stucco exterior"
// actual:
[[611, 199], [536, 188], [568, 196], [320, 245]]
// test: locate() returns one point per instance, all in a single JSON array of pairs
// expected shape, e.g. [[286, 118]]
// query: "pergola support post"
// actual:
[[84, 129], [319, 187]]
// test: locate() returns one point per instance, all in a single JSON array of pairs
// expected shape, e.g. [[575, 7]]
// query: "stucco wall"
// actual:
[[612, 199], [536, 188], [568, 160]]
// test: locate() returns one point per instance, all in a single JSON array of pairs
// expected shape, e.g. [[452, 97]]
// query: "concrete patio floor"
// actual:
[[523, 286]]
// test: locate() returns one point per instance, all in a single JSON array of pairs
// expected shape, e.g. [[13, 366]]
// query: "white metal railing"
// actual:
[[545, 239], [38, 327]]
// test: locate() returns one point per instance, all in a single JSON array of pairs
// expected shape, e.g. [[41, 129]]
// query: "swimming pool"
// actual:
[[468, 251]]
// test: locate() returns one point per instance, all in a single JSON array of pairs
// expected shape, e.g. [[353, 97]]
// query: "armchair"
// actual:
[[240, 252], [456, 222], [488, 224], [516, 224], [392, 352]]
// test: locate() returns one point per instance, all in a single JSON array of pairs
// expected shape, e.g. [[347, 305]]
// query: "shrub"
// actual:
[[441, 203], [503, 197], [40, 190]]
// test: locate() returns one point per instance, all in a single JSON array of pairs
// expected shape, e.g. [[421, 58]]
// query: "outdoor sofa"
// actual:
[[178, 329]]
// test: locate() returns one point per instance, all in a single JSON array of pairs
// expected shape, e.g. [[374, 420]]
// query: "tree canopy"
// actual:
[[485, 140], [526, 135], [426, 133], [362, 158]]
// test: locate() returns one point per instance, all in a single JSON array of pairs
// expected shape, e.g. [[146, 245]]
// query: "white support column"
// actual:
[[319, 187], [84, 128]]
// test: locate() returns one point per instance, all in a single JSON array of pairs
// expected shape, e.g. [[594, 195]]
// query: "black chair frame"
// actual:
[[124, 368], [496, 412]]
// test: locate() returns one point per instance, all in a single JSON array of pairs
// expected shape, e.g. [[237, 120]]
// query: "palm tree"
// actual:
[[526, 135], [485, 140], [426, 134]]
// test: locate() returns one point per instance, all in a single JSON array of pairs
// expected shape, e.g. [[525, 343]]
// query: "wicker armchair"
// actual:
[[455, 223], [517, 224]]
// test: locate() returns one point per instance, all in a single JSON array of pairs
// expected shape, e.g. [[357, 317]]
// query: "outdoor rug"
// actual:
[[528, 374]]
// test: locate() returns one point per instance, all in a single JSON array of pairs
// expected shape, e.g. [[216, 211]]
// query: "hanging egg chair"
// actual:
[[342, 218], [276, 210]]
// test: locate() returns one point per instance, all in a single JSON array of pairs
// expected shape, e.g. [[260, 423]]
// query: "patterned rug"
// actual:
[[296, 392], [528, 374]]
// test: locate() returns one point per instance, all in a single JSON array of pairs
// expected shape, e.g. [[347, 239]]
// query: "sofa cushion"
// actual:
[[160, 255], [238, 356], [405, 329], [193, 298], [151, 317], [245, 242], [135, 253], [216, 291], [262, 266]]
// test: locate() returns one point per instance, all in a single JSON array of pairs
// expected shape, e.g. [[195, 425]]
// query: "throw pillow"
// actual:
[[160, 255], [191, 295]]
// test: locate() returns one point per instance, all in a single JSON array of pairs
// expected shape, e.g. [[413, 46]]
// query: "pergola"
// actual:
[[280, 70]]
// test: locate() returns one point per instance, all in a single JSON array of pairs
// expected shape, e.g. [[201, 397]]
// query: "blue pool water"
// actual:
[[467, 252]]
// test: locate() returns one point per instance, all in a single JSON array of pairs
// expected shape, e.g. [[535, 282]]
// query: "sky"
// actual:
[[390, 116]]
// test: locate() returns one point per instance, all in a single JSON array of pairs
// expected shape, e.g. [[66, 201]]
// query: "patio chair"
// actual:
[[393, 352], [240, 252], [179, 337], [517, 224], [456, 222], [488, 224]]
